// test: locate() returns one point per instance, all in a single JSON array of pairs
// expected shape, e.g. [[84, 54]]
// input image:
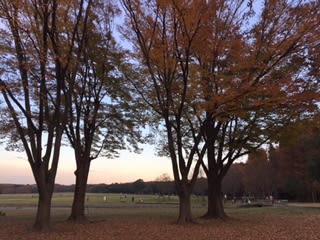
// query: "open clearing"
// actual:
[[121, 219]]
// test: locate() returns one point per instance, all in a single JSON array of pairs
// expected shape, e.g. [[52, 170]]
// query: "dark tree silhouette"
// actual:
[[37, 46]]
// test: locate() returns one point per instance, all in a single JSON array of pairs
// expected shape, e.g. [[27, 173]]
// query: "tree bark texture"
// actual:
[[78, 205], [185, 215], [215, 200], [42, 221]]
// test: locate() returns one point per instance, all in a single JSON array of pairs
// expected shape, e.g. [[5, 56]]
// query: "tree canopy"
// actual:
[[224, 77], [217, 79]]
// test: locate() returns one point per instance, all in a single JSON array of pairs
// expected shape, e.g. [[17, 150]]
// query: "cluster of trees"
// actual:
[[31, 188], [17, 188], [215, 79], [289, 170], [60, 82], [223, 78], [137, 187]]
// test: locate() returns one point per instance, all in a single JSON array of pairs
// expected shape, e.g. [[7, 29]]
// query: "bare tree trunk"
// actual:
[[185, 215], [78, 205], [215, 200], [214, 169], [42, 221]]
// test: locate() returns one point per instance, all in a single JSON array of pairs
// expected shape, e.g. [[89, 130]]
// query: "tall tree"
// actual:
[[99, 119], [257, 174], [37, 46], [233, 181], [253, 79], [296, 160], [162, 34], [241, 74]]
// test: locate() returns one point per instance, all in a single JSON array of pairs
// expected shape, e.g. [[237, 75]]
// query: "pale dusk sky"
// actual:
[[14, 168]]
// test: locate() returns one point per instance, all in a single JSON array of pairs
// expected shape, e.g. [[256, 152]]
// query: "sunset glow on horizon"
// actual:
[[128, 167]]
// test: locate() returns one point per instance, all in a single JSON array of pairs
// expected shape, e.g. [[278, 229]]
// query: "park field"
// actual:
[[119, 216]]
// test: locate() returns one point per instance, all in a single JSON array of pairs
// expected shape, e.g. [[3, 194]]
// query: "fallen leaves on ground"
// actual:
[[273, 227]]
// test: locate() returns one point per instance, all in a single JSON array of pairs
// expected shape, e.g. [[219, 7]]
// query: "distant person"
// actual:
[[271, 199]]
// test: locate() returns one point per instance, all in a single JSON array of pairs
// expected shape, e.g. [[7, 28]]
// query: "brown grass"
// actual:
[[244, 224]]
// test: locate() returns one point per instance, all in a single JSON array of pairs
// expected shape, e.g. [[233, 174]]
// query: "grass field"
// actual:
[[98, 206], [94, 199], [120, 218]]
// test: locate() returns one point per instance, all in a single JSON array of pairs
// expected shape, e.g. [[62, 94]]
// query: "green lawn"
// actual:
[[98, 206], [93, 199], [305, 205], [23, 207]]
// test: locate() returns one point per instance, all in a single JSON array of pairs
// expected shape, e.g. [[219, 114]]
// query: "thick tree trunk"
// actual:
[[215, 200], [185, 215], [42, 222], [78, 205]]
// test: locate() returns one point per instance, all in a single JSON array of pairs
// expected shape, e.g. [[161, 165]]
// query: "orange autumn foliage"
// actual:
[[227, 70]]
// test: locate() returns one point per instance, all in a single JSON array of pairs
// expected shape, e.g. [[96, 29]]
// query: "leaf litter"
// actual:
[[306, 227]]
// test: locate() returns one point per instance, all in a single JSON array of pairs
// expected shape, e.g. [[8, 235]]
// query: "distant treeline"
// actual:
[[137, 187], [259, 177]]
